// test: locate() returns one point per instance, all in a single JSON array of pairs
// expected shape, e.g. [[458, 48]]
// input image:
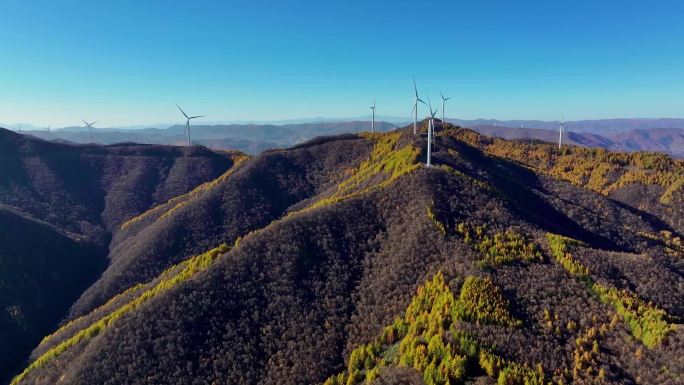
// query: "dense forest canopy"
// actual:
[[345, 260]]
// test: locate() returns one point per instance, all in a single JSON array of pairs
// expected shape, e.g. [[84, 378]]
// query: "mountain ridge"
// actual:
[[301, 293], [613, 134]]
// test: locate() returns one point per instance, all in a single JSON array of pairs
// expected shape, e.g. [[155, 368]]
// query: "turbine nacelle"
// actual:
[[186, 132], [432, 113], [560, 132], [90, 130], [443, 98], [90, 125], [414, 111], [372, 107]]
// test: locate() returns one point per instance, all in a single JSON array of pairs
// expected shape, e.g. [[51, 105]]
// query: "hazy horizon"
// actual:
[[28, 126]]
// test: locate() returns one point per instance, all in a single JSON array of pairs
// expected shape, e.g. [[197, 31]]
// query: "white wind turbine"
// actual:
[[431, 126], [560, 132], [90, 130], [443, 102], [187, 122], [373, 119], [416, 99]]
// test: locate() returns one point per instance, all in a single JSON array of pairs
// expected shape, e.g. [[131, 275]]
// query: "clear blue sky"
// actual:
[[127, 62]]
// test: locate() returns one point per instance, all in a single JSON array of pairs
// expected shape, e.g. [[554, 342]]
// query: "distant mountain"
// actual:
[[255, 138], [601, 126], [667, 140], [580, 139], [345, 260], [249, 138]]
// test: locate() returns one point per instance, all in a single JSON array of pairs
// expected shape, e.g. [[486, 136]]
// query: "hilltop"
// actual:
[[345, 259]]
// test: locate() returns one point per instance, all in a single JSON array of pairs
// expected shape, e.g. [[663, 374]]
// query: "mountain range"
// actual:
[[662, 135], [597, 126], [666, 140], [341, 260]]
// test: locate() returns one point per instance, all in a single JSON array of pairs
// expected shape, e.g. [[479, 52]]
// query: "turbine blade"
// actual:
[[198, 116], [181, 110], [86, 123]]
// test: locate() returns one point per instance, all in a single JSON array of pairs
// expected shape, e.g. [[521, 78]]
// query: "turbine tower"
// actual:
[[90, 130], [373, 120], [431, 125], [187, 122], [560, 133], [416, 99]]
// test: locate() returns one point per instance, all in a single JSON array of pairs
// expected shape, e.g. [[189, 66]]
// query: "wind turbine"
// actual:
[[431, 125], [373, 121], [187, 123], [48, 127], [415, 107], [90, 130], [560, 132], [443, 101]]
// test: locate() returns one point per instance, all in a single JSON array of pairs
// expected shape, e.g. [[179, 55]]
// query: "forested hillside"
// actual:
[[247, 197], [42, 272], [60, 205], [345, 261], [89, 190]]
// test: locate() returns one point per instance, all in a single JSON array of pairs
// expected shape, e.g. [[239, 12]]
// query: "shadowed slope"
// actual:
[[83, 193], [42, 272]]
